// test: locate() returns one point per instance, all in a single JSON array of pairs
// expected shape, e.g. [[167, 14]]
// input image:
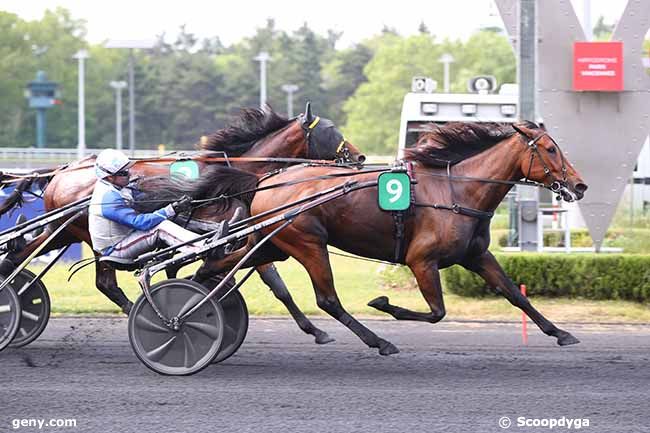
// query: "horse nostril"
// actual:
[[581, 188], [361, 158]]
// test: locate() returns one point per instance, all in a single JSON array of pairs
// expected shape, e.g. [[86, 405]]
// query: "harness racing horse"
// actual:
[[256, 134], [460, 179]]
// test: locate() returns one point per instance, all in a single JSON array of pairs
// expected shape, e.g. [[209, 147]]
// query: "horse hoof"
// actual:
[[323, 338], [379, 303], [566, 339], [126, 308], [387, 348]]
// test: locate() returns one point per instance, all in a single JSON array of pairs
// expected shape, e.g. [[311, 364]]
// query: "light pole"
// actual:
[[81, 55], [42, 95], [131, 45], [263, 57], [586, 18], [446, 59], [290, 89], [118, 86]]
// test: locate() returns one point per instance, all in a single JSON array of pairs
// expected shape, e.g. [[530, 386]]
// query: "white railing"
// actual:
[[68, 154], [31, 157]]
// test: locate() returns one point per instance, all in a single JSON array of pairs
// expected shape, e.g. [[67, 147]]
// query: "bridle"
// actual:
[[556, 184], [342, 153]]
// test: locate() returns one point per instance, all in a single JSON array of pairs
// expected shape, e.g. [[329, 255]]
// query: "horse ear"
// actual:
[[519, 130], [308, 116]]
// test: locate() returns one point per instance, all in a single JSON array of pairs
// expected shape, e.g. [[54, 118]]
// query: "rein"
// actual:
[[65, 169]]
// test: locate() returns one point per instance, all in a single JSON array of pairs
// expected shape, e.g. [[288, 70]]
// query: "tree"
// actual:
[[601, 30], [180, 89], [373, 112], [27, 47], [342, 75], [484, 53]]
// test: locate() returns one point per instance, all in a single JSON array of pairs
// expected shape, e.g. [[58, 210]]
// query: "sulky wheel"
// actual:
[[235, 318], [235, 327], [176, 352], [35, 305], [9, 315]]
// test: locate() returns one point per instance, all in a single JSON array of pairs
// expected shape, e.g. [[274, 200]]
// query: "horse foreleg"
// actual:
[[489, 269], [428, 279], [106, 282], [272, 279]]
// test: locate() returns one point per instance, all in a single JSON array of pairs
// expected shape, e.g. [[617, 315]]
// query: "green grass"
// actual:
[[357, 282]]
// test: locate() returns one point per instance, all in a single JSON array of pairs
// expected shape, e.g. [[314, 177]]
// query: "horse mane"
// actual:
[[241, 134], [454, 142]]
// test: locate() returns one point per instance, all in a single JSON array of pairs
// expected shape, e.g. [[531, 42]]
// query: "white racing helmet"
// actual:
[[109, 162]]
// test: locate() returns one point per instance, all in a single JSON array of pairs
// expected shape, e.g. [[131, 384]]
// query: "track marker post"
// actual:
[[524, 319]]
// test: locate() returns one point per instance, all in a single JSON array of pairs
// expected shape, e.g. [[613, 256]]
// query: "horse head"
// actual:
[[325, 141], [544, 162]]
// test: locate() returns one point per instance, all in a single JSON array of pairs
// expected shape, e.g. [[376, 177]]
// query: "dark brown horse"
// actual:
[[257, 133], [462, 176]]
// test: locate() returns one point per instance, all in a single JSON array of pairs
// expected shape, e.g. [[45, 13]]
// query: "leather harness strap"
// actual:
[[399, 219]]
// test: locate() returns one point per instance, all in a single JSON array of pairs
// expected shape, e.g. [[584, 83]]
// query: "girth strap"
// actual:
[[474, 213], [399, 218]]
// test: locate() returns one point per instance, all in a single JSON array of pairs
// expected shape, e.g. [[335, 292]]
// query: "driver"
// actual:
[[117, 230]]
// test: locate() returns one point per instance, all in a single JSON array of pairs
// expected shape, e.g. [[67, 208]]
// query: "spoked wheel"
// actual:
[[9, 316], [35, 306], [176, 352]]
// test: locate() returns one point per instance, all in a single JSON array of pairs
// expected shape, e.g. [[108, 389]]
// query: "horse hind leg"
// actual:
[[428, 279], [315, 260], [106, 282], [272, 279]]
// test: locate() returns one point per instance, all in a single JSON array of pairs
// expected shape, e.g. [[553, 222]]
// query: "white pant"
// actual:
[[139, 241]]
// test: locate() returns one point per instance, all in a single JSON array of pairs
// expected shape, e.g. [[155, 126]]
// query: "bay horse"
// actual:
[[256, 133], [461, 177]]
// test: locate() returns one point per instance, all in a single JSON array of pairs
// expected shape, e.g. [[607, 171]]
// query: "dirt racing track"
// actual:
[[453, 376]]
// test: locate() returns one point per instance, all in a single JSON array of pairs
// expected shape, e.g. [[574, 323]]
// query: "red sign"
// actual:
[[598, 66]]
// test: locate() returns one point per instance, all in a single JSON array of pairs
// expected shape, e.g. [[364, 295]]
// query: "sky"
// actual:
[[232, 20]]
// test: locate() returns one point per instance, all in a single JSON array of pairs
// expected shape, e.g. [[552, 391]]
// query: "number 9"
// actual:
[[394, 188]]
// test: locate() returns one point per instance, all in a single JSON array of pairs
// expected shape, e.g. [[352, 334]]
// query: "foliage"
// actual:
[[26, 48], [373, 111], [397, 278], [188, 87], [591, 276]]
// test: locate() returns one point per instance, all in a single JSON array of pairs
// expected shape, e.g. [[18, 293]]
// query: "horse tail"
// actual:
[[15, 199], [216, 181]]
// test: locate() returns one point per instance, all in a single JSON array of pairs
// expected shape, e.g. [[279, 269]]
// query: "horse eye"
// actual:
[[551, 150]]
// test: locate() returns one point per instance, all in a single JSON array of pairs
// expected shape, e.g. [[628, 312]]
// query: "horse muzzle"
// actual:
[[566, 193]]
